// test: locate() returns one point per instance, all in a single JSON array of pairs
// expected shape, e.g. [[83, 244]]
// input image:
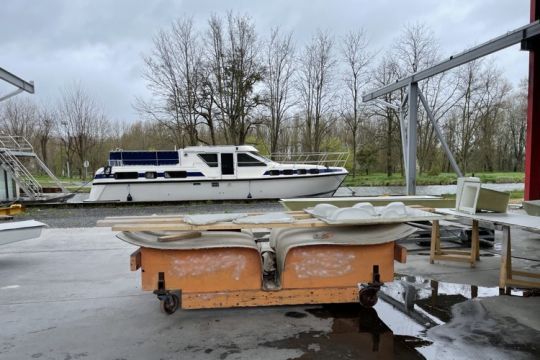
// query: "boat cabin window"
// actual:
[[301, 171], [288, 172], [175, 174], [245, 160], [150, 175], [210, 159], [126, 175], [313, 171], [274, 172]]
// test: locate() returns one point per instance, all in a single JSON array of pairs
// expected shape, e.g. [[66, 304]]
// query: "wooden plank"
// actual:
[[135, 260], [400, 253], [475, 242], [246, 298], [526, 274], [505, 273], [179, 218], [454, 252], [523, 283], [6, 217], [435, 240], [300, 223], [182, 236], [459, 258], [204, 270]]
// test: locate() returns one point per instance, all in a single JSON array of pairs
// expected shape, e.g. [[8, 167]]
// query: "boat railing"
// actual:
[[334, 159]]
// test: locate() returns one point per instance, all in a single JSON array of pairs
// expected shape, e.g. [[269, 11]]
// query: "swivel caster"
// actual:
[[368, 293], [368, 296], [169, 303]]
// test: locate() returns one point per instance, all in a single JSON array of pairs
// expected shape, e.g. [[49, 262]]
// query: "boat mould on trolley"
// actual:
[[211, 173]]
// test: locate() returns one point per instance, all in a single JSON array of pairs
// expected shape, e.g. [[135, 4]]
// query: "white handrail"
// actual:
[[335, 159]]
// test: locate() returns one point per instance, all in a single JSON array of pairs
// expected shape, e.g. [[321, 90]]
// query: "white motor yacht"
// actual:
[[210, 173]]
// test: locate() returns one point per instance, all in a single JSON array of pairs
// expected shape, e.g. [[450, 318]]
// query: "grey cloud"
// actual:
[[100, 42]]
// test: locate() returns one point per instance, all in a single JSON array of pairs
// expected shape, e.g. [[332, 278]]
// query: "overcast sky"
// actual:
[[100, 43]]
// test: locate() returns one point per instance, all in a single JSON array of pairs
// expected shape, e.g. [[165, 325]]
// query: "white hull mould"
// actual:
[[234, 189], [19, 231]]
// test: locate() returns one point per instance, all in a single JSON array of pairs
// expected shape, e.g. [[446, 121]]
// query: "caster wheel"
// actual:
[[169, 304], [368, 297]]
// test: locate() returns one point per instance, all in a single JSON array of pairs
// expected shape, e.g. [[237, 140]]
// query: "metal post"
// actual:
[[440, 135], [411, 139], [403, 132]]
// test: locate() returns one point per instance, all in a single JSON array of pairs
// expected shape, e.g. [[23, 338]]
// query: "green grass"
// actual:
[[380, 179], [70, 184], [514, 195]]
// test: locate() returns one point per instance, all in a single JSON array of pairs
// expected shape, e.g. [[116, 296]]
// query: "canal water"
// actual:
[[420, 190]]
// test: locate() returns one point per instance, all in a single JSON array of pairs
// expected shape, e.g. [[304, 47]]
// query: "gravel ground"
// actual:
[[87, 216]]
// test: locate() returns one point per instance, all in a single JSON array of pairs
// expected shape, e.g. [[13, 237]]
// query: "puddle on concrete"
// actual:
[[357, 333], [397, 327]]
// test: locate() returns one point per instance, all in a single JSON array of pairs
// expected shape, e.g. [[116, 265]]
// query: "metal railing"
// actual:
[[15, 143], [21, 175], [10, 148], [334, 159]]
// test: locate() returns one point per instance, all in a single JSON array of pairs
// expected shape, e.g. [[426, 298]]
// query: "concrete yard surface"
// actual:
[[70, 295]]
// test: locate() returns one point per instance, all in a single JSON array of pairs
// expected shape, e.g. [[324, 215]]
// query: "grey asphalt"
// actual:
[[70, 295]]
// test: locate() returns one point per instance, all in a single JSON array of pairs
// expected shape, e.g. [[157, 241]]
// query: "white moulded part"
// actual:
[[347, 214], [367, 207], [268, 218], [394, 209], [324, 210]]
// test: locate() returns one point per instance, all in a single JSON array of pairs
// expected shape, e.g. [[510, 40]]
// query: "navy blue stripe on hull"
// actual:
[[122, 182]]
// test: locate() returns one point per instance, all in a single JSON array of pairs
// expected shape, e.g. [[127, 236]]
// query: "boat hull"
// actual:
[[222, 189], [19, 231]]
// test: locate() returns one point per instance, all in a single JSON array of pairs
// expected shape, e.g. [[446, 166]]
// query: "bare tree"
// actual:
[[516, 123], [18, 117], [316, 71], [80, 121], [279, 61], [388, 71], [356, 59], [235, 70], [417, 49], [491, 114], [482, 92], [45, 128], [172, 75]]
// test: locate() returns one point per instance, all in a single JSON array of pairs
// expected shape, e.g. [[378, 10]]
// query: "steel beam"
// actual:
[[11, 94], [411, 139], [446, 149], [511, 38], [16, 81]]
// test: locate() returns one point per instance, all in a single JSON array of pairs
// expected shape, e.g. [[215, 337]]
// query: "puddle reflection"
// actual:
[[397, 327], [357, 333]]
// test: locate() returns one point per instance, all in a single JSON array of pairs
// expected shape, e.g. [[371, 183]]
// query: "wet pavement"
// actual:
[[70, 295]]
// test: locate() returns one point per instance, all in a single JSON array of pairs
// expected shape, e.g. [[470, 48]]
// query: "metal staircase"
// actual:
[[11, 149]]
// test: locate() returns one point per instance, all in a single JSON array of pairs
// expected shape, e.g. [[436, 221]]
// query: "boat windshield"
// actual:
[[260, 156]]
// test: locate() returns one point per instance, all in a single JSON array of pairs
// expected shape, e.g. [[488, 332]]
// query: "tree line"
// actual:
[[223, 83]]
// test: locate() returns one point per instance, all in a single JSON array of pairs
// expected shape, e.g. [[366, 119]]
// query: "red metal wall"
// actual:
[[532, 150]]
